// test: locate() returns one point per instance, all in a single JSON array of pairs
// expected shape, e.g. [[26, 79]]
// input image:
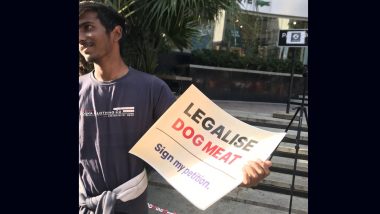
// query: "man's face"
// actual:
[[94, 41]]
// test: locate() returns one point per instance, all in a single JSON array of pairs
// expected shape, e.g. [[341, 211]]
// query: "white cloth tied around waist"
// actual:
[[104, 203]]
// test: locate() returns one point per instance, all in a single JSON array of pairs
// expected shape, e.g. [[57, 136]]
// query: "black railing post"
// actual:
[[291, 81]]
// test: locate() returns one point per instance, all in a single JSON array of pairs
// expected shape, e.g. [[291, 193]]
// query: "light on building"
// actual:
[[241, 26], [294, 23]]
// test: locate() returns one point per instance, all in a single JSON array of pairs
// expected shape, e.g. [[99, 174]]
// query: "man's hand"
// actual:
[[254, 172]]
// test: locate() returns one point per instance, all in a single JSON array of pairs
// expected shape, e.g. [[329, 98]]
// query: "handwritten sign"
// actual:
[[201, 150]]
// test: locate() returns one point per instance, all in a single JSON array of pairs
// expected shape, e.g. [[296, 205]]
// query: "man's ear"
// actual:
[[117, 33]]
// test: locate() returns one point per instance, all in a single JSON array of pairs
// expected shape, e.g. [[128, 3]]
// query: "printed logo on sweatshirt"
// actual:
[[128, 111]]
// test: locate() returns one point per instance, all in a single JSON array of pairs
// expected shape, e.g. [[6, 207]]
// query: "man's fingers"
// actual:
[[251, 171], [258, 167], [249, 175], [255, 171], [245, 177], [262, 167], [266, 165]]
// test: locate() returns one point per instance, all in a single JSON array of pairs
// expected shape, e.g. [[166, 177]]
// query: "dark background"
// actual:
[[39, 107]]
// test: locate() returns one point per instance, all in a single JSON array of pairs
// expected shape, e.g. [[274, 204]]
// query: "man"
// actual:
[[117, 105]]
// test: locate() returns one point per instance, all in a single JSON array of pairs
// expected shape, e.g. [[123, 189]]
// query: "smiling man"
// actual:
[[117, 105]]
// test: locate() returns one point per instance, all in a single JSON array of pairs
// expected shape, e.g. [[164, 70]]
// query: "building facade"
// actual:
[[255, 30]]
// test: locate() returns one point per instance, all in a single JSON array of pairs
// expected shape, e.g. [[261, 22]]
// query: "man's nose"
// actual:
[[82, 37]]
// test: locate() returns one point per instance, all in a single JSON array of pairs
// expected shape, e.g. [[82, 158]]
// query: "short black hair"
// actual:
[[108, 17]]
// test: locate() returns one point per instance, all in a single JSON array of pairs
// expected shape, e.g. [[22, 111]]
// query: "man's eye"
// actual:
[[88, 27]]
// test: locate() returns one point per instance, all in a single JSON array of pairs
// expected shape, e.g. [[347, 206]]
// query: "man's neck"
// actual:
[[111, 70]]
